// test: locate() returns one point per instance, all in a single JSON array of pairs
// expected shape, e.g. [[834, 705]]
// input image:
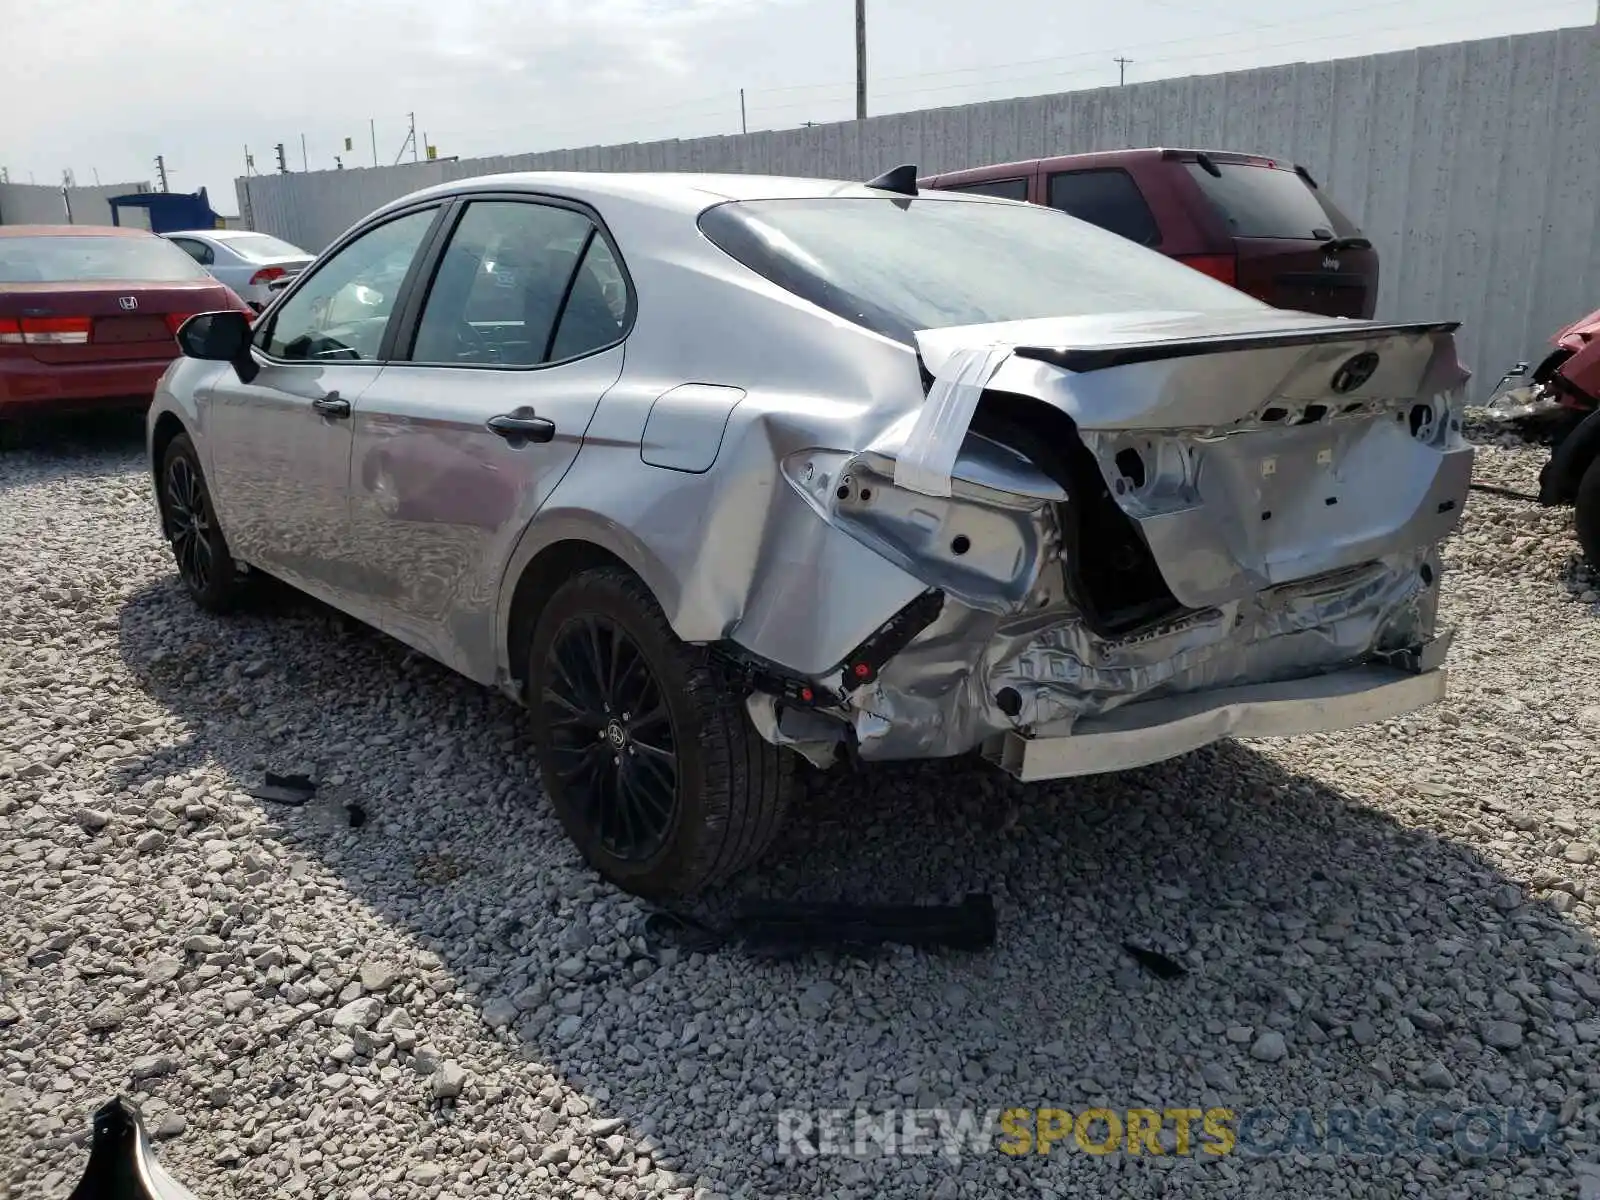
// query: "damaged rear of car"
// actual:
[[1146, 511]]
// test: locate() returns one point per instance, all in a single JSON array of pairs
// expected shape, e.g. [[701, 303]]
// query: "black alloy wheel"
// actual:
[[611, 737], [647, 753], [189, 523], [204, 563]]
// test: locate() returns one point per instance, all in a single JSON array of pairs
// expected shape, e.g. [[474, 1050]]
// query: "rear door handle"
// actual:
[[331, 405], [521, 425]]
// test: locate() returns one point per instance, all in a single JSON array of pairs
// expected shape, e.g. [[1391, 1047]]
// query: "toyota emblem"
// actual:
[[129, 303], [1355, 372]]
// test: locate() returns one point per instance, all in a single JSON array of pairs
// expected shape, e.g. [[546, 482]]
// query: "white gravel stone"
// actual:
[[305, 1003], [361, 1013]]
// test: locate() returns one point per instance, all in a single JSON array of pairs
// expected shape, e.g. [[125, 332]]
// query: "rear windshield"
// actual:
[[1269, 202], [78, 259], [262, 246], [897, 265]]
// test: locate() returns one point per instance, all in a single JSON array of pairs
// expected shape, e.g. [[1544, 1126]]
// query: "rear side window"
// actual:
[[521, 284], [1006, 189], [198, 251], [1268, 202], [76, 258], [1107, 198]]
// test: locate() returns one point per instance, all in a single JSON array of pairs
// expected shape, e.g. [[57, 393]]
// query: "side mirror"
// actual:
[[219, 337]]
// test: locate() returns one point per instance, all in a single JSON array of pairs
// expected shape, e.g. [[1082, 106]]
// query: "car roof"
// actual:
[[1103, 157], [72, 231], [667, 189], [220, 235]]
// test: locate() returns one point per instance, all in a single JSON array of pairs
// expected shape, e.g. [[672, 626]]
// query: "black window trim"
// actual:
[[416, 292], [970, 187], [264, 330], [1133, 182]]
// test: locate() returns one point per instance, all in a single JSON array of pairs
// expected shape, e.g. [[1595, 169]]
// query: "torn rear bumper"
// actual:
[[1150, 731]]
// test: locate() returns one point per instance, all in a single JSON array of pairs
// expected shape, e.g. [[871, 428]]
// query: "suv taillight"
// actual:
[[1221, 267]]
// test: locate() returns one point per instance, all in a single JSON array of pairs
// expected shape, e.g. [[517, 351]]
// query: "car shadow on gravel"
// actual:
[[1391, 960], [88, 446]]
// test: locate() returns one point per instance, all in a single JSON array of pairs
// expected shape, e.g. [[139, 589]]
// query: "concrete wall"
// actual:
[[41, 204], [1474, 167]]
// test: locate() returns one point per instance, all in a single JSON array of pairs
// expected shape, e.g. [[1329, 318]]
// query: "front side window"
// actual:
[[521, 284], [341, 311], [896, 266]]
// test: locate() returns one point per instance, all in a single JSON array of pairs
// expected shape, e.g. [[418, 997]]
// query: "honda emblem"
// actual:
[[129, 303]]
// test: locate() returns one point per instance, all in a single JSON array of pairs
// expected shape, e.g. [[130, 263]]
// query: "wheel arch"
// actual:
[[554, 549], [166, 429]]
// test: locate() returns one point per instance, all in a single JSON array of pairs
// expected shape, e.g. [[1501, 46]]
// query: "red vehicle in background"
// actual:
[[89, 314], [1562, 398], [1258, 224]]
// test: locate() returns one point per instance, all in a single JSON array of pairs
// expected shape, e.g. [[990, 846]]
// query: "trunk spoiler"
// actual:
[[1080, 360]]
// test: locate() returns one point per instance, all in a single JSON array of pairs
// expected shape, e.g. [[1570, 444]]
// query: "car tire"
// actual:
[[189, 520], [1586, 513], [648, 756]]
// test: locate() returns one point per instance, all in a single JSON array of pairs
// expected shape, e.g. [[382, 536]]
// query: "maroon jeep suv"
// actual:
[[1263, 226]]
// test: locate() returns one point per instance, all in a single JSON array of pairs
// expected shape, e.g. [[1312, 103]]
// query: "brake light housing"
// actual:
[[267, 275], [45, 331]]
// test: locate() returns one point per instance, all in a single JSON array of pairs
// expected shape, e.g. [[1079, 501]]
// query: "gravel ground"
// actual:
[[444, 1001]]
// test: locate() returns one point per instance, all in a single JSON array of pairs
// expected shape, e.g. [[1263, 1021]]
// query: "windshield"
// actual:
[[262, 246], [897, 266], [75, 258], [1268, 202]]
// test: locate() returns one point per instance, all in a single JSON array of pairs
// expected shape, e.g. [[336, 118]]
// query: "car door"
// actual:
[[280, 444], [461, 439]]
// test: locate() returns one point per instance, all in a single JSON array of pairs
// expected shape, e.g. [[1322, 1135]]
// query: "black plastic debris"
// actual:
[[293, 790], [121, 1164], [782, 927], [1162, 966]]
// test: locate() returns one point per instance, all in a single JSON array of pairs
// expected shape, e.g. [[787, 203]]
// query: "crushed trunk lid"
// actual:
[[1249, 449]]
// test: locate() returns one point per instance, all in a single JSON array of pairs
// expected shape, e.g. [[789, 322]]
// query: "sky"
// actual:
[[101, 87]]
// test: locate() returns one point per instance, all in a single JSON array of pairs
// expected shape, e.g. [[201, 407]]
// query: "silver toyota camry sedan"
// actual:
[[712, 471]]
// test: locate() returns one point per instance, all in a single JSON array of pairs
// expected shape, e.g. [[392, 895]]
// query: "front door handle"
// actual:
[[331, 405], [521, 425]]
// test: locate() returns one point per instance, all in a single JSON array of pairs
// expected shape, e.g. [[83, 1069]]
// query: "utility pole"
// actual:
[[372, 125], [1122, 69], [96, 171], [249, 161], [161, 170], [283, 165], [305, 163], [861, 60], [411, 140], [743, 126]]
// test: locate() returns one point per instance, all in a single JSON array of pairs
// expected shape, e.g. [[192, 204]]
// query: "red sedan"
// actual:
[[88, 314]]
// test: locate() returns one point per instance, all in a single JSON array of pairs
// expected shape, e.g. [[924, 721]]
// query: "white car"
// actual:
[[246, 261]]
